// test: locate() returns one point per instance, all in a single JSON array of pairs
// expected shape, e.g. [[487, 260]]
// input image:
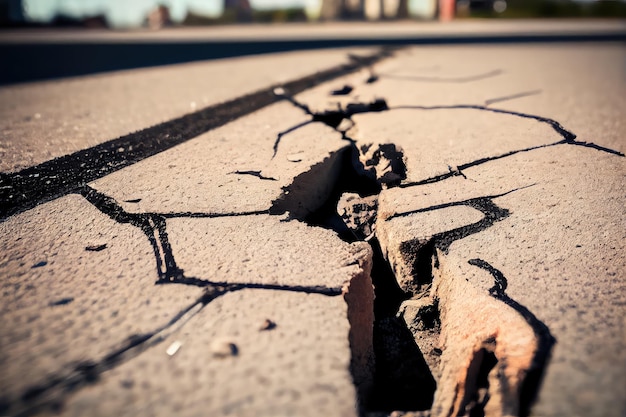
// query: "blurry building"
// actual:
[[237, 10], [159, 17]]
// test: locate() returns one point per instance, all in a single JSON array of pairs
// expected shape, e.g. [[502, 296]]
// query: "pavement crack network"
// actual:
[[419, 253], [25, 189], [569, 138], [422, 255], [50, 394], [331, 118]]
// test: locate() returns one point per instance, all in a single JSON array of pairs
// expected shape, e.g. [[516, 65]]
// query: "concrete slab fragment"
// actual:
[[555, 248], [433, 146], [300, 367], [231, 169], [479, 127], [263, 249]]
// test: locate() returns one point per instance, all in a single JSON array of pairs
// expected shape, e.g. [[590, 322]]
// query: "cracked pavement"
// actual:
[[478, 267]]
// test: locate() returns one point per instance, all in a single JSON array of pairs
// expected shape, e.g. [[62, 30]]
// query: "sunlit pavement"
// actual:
[[196, 263]]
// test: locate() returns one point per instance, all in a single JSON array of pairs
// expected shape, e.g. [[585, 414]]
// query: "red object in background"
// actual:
[[446, 10]]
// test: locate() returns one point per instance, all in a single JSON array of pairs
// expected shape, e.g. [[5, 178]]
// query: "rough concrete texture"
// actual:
[[299, 367], [217, 216], [560, 82], [510, 220], [498, 205], [233, 169], [263, 249], [45, 120], [75, 287]]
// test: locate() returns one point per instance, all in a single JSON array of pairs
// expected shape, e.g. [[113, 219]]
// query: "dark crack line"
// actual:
[[421, 253], [546, 341], [491, 212], [457, 80], [254, 174], [566, 134], [470, 202], [331, 118], [280, 135], [307, 289], [151, 224], [512, 97], [459, 169], [25, 189], [51, 393], [199, 215]]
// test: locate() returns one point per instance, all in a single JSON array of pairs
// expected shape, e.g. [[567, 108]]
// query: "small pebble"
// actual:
[[267, 325], [372, 79], [279, 91], [224, 349], [61, 302], [173, 348], [96, 248]]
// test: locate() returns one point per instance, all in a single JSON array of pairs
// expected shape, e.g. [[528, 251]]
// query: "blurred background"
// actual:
[[155, 14]]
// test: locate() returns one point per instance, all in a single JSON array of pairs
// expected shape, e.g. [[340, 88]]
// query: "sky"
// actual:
[[129, 13]]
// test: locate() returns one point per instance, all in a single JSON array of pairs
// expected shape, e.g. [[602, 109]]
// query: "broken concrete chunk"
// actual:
[[359, 214], [385, 162], [484, 340]]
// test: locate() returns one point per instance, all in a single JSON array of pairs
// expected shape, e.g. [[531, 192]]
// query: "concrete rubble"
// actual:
[[431, 235]]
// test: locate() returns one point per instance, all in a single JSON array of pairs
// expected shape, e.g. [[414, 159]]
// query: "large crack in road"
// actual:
[[412, 310]]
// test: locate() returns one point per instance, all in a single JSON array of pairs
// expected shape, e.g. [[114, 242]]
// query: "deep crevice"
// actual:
[[351, 179], [476, 394], [402, 377]]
